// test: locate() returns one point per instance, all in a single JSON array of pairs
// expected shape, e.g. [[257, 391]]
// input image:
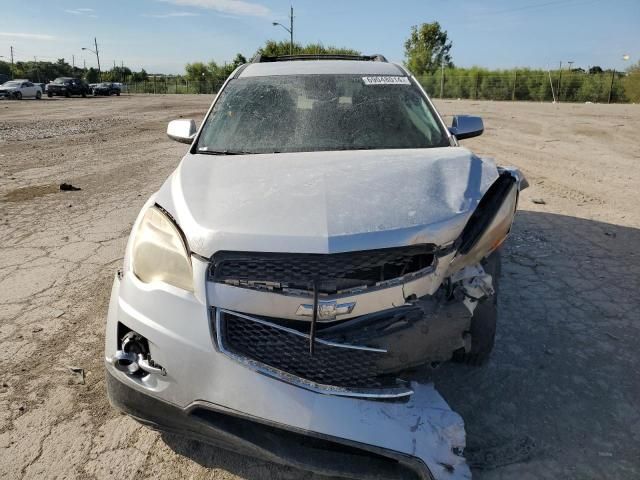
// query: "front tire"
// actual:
[[18, 95], [50, 95], [38, 95], [84, 94], [67, 94], [484, 320]]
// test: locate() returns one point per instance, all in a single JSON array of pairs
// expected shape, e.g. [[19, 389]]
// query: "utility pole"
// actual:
[[95, 42], [559, 81], [73, 63], [290, 30], [613, 75], [11, 62], [442, 78]]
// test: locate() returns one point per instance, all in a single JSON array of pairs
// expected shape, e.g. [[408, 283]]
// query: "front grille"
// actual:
[[333, 273], [288, 351]]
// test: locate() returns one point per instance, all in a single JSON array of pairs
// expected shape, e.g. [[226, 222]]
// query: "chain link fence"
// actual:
[[172, 86], [607, 87]]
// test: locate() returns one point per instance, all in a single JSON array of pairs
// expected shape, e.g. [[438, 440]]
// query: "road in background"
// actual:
[[559, 398]]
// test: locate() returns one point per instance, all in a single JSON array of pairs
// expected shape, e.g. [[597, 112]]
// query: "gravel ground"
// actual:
[[559, 398], [28, 130]]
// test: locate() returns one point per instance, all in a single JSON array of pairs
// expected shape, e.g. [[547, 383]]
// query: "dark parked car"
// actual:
[[106, 88], [67, 86]]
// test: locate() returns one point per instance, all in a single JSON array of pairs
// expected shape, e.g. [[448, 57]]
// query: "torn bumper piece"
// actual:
[[436, 434]]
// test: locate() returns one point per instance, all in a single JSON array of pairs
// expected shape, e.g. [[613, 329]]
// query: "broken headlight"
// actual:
[[160, 253], [489, 225]]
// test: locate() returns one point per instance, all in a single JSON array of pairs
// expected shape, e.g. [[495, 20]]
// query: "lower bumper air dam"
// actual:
[[230, 430]]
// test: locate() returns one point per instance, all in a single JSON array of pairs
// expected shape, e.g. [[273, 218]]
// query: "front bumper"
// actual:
[[262, 439], [56, 91], [420, 435]]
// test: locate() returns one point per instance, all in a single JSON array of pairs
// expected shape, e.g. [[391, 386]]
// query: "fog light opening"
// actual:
[[133, 357]]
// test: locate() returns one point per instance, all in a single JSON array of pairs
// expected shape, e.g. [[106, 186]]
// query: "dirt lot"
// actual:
[[559, 398]]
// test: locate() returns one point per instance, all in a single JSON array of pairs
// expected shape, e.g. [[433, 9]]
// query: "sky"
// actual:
[[161, 36]]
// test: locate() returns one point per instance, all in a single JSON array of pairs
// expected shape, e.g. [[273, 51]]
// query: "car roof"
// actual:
[[321, 67]]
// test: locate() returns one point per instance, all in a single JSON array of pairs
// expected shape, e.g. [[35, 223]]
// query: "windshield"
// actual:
[[11, 84], [320, 112], [62, 81], [104, 85]]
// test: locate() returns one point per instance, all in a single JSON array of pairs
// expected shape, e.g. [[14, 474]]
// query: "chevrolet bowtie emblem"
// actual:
[[327, 309]]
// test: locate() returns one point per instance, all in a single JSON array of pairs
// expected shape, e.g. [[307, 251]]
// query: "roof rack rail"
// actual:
[[259, 58]]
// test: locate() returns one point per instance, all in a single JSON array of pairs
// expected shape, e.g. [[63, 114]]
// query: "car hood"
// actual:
[[325, 202]]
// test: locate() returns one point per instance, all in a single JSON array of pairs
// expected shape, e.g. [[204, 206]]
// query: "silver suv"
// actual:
[[323, 238]]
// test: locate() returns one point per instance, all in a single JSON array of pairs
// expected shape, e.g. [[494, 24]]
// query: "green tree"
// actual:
[[631, 83], [140, 76], [92, 76], [42, 71], [197, 71], [274, 49], [212, 72], [5, 68], [427, 48], [117, 74], [239, 60]]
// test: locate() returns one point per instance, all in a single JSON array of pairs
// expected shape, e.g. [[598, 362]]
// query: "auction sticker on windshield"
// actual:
[[386, 80]]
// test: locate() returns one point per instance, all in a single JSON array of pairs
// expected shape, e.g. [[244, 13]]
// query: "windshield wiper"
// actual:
[[222, 152]]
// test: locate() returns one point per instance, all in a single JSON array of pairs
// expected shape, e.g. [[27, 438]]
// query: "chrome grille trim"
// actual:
[[300, 334], [267, 370]]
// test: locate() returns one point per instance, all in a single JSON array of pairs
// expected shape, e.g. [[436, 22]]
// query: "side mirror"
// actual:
[[182, 131], [466, 126]]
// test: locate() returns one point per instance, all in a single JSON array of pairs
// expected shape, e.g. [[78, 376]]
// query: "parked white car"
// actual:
[[19, 89]]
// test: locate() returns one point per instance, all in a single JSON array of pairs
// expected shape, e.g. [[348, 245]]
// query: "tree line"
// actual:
[[44, 71], [214, 73], [533, 85]]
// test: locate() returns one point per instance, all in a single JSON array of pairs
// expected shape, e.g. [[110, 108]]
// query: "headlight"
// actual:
[[494, 229], [160, 253]]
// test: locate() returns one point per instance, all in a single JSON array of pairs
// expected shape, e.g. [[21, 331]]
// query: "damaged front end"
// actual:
[[359, 323], [312, 359]]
